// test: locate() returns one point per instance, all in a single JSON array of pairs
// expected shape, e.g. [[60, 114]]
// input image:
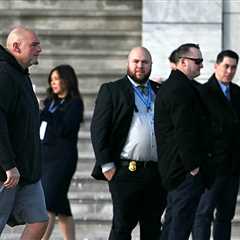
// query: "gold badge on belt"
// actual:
[[132, 166]]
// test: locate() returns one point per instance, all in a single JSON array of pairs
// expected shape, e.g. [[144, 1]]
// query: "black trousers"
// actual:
[[182, 204], [223, 197], [137, 197]]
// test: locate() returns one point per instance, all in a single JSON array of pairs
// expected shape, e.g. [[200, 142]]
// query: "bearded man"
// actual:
[[124, 143]]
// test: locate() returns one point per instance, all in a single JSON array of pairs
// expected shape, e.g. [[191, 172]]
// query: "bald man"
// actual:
[[21, 195], [124, 144]]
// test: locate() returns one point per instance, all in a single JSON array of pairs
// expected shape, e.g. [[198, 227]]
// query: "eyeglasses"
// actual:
[[197, 61]]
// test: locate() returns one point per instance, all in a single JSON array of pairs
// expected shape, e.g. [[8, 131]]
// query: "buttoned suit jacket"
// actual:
[[180, 122], [225, 122], [114, 108]]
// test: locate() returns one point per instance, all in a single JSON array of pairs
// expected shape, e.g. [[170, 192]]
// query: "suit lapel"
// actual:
[[235, 98], [155, 86], [235, 94], [216, 90], [127, 90]]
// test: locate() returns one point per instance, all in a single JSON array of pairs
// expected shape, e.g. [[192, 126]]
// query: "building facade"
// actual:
[[213, 24]]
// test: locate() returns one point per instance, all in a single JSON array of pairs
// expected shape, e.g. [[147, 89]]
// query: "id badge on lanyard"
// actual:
[[43, 126]]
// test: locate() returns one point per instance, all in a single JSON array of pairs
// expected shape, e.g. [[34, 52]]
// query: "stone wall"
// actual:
[[169, 23], [231, 28]]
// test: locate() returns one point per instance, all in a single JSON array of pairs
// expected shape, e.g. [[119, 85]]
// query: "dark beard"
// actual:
[[139, 81]]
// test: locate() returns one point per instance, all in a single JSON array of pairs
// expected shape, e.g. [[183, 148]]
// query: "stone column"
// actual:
[[231, 28], [170, 23]]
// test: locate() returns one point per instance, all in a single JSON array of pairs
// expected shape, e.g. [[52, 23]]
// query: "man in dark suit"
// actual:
[[222, 99], [123, 140], [182, 144]]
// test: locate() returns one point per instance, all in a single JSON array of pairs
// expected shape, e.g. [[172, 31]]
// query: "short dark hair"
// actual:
[[173, 57], [227, 53], [183, 49]]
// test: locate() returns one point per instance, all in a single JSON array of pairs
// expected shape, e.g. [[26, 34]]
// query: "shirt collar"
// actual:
[[136, 84], [223, 86]]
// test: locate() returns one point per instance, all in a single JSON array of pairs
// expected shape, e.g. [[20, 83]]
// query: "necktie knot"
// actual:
[[143, 89]]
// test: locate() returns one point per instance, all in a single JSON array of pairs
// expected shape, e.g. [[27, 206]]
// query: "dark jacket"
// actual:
[[19, 121], [181, 129], [64, 123], [59, 149], [225, 121], [111, 121]]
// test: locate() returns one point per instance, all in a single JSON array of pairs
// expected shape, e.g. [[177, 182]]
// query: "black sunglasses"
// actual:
[[197, 61]]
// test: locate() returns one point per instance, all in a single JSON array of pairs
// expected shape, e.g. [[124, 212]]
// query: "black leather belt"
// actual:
[[133, 165]]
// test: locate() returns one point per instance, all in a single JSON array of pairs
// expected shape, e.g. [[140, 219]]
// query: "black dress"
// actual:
[[59, 151]]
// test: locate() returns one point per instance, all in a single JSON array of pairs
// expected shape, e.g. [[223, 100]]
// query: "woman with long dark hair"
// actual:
[[60, 123]]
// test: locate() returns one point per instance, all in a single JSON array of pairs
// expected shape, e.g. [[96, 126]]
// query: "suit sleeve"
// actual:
[[101, 125]]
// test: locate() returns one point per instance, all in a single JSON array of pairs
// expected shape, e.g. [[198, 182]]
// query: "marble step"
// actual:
[[85, 163], [86, 79], [102, 211], [56, 40], [90, 198], [82, 182], [89, 97], [91, 206], [85, 53], [85, 126], [83, 174], [92, 212], [90, 231], [89, 84], [84, 143], [83, 63], [71, 19], [95, 62], [72, 4], [86, 157], [85, 146], [84, 231], [96, 230]]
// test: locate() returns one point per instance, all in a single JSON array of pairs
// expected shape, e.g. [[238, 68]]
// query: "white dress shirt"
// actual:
[[140, 144]]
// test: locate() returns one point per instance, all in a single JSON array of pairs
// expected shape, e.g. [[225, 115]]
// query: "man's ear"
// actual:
[[16, 47], [182, 61]]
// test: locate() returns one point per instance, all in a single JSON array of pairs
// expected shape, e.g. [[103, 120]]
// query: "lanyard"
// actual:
[[52, 108], [146, 101]]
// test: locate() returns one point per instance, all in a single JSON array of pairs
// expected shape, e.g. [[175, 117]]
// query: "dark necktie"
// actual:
[[227, 93]]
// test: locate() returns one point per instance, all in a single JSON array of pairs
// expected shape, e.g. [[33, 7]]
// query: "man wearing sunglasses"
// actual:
[[183, 146], [222, 99]]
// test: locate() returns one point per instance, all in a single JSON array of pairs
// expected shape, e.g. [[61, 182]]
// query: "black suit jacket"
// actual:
[[111, 121], [225, 121], [180, 120]]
